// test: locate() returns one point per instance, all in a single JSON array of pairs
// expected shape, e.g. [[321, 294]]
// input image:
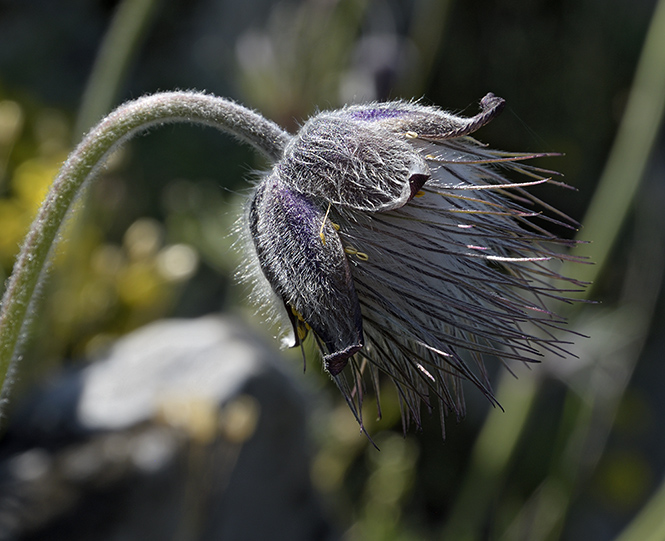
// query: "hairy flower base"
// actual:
[[400, 243]]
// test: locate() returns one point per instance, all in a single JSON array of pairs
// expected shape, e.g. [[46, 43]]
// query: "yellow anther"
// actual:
[[302, 327], [335, 226], [302, 332], [297, 314], [430, 157], [419, 193], [411, 135], [350, 250], [323, 237], [362, 256]]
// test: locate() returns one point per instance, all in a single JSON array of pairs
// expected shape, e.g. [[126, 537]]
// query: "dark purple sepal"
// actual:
[[337, 361], [416, 182], [310, 273]]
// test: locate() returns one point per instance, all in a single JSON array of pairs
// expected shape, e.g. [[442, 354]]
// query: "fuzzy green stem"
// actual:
[[85, 162]]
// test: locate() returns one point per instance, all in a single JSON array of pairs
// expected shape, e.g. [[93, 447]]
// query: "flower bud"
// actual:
[[302, 258], [402, 244]]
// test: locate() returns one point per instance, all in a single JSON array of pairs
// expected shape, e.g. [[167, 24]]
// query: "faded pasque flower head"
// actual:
[[397, 242]]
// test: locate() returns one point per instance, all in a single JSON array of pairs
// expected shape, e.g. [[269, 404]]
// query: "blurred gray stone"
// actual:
[[187, 430]]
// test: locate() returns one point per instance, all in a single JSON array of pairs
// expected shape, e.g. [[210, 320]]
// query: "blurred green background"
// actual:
[[579, 452]]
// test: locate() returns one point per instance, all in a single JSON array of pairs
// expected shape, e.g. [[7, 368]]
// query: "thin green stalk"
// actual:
[[126, 121], [426, 32], [490, 457], [116, 52], [629, 156], [649, 524], [607, 213]]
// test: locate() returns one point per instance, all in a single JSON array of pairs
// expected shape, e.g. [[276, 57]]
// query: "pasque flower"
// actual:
[[402, 247]]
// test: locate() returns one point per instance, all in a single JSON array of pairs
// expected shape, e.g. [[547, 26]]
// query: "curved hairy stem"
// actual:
[[86, 160]]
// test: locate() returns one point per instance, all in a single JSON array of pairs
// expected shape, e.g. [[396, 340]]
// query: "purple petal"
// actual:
[[309, 272]]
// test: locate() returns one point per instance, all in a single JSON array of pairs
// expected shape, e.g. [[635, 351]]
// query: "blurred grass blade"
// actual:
[[649, 524], [608, 210], [490, 457], [427, 31], [118, 49], [629, 156]]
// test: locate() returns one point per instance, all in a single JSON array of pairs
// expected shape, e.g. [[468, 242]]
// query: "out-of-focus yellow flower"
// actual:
[[139, 284], [14, 223], [29, 186], [32, 180]]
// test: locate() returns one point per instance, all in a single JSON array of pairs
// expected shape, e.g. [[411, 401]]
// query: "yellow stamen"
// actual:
[[297, 314], [411, 135], [362, 256], [302, 332], [350, 250], [419, 193], [323, 237], [302, 328]]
